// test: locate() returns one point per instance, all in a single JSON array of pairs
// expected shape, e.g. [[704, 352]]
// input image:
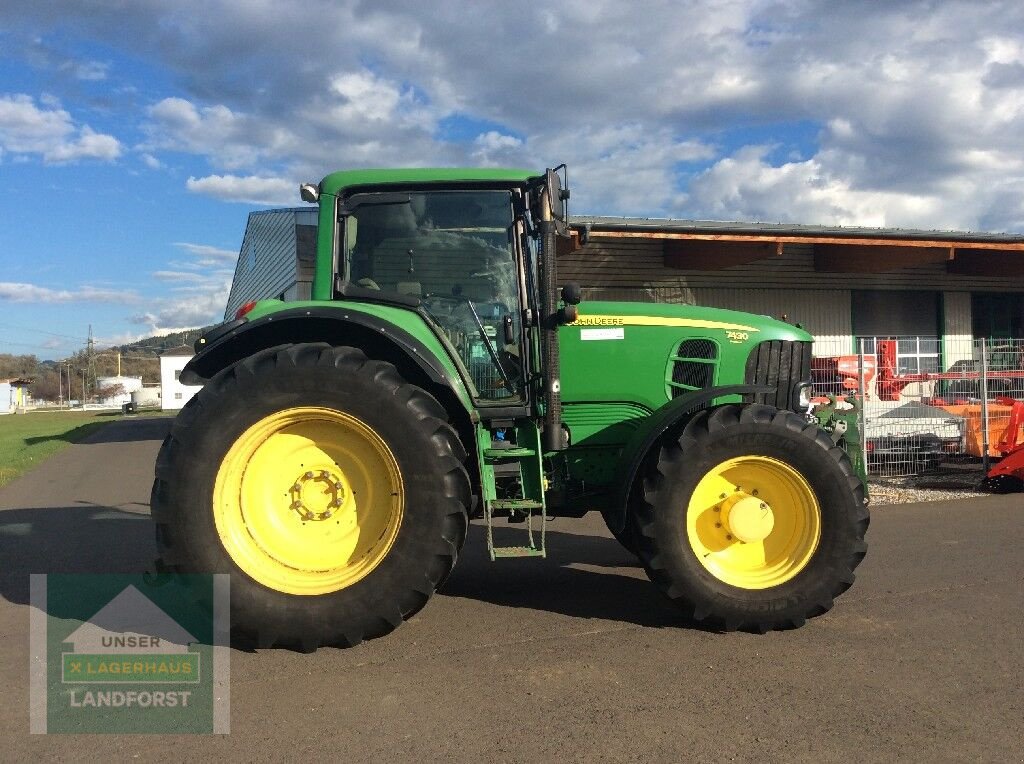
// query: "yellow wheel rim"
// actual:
[[753, 522], [308, 501]]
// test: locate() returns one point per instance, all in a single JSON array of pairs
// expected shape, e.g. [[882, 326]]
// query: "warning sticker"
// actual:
[[603, 334]]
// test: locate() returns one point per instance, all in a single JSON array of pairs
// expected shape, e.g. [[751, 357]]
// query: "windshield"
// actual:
[[453, 250]]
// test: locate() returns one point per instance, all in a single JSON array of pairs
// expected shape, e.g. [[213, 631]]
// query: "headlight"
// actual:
[[804, 392]]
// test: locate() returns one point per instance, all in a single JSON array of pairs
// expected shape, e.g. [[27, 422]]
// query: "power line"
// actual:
[[20, 344], [41, 331]]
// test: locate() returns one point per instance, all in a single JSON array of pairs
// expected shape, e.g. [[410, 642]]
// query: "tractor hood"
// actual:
[[728, 326], [647, 353]]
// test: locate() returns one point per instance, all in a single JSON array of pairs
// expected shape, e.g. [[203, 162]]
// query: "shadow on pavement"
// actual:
[[83, 539], [71, 436], [132, 430], [100, 539], [550, 584]]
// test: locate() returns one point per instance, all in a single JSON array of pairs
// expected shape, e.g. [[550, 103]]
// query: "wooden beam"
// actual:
[[855, 258], [1016, 246], [987, 263], [563, 246], [700, 255]]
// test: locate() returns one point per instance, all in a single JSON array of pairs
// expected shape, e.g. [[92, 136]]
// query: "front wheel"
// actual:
[[753, 519], [329, 488]]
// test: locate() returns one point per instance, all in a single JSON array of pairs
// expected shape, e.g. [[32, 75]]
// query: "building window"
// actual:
[[177, 396], [177, 375], [914, 355], [997, 316]]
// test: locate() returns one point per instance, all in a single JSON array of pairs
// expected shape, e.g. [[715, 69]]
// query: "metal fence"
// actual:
[[929, 403]]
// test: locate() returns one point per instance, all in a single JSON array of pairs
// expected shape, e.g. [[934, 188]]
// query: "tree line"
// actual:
[[50, 379]]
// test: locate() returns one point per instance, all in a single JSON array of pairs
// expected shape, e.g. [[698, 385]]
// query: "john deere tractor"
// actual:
[[441, 372]]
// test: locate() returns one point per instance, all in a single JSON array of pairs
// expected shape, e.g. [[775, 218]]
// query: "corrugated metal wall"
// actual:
[[958, 333], [825, 313], [633, 269], [269, 262]]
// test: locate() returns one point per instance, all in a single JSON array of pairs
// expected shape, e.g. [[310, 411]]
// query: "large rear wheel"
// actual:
[[753, 519], [332, 490]]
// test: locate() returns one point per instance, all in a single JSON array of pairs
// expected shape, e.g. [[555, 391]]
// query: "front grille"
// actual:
[[693, 366], [780, 364]]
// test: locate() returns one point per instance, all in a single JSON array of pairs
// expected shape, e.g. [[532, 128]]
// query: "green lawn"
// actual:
[[27, 439]]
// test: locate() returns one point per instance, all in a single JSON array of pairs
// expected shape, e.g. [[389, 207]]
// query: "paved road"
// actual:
[[574, 657]]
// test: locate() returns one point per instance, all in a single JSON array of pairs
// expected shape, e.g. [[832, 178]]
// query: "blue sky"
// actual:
[[135, 138]]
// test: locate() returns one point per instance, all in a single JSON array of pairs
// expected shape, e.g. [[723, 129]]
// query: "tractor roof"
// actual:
[[337, 181]]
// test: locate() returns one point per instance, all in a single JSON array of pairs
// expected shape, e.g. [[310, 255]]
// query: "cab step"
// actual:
[[508, 453], [521, 504], [527, 507], [511, 467], [517, 551]]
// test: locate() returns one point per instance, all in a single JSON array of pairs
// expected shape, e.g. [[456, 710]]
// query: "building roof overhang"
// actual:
[[712, 245]]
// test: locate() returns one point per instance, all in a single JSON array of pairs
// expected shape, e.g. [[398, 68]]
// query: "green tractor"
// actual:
[[440, 372]]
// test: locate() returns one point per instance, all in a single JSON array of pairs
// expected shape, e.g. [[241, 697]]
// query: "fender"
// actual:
[[230, 342], [655, 427]]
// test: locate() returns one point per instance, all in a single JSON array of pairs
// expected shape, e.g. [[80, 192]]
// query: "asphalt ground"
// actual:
[[574, 658]]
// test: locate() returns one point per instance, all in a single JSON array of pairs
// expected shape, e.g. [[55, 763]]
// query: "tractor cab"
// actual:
[[453, 254], [465, 249]]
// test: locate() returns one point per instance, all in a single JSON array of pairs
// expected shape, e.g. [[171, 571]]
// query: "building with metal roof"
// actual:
[[936, 291]]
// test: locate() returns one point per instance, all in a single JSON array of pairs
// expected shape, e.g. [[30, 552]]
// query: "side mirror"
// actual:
[[309, 192], [572, 293], [558, 196]]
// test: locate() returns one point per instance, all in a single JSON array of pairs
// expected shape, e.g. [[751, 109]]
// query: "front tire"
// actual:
[[329, 488], [753, 519]]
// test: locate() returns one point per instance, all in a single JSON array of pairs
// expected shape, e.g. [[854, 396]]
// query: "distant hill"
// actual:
[[133, 359], [157, 345]]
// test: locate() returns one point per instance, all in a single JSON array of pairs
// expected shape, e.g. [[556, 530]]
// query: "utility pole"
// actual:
[[60, 387], [83, 389], [91, 358]]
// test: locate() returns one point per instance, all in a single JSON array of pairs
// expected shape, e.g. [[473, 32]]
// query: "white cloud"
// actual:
[[249, 189], [365, 97], [907, 112], [745, 186], [90, 71], [31, 293], [196, 288], [626, 169], [206, 251], [494, 148], [151, 161], [229, 139], [184, 276], [50, 132], [187, 312]]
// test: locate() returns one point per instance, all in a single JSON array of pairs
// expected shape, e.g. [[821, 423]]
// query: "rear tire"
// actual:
[[329, 488], [753, 519]]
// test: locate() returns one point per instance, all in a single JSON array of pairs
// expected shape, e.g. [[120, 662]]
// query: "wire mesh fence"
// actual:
[[956, 403]]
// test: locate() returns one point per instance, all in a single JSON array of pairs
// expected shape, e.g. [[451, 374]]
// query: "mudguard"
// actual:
[[232, 341], [655, 427]]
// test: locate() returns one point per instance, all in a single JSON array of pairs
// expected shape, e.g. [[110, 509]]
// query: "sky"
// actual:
[[136, 136]]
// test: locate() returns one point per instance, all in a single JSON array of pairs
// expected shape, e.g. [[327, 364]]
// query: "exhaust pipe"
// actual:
[[554, 440]]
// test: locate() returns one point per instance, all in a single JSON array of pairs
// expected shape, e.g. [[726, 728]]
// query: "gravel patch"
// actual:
[[935, 486], [890, 494]]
